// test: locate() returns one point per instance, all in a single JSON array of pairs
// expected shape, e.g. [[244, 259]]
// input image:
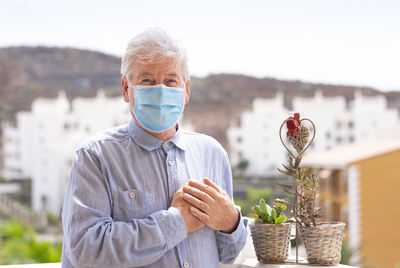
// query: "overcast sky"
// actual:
[[355, 42]]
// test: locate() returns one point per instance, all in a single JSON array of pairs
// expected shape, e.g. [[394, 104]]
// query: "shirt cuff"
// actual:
[[236, 235], [172, 226]]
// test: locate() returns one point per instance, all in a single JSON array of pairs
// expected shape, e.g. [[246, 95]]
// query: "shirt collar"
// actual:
[[178, 140], [148, 141]]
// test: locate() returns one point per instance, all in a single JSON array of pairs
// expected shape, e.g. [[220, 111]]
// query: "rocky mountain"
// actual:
[[30, 72]]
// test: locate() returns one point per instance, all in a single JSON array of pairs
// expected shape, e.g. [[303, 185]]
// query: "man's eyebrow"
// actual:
[[144, 74]]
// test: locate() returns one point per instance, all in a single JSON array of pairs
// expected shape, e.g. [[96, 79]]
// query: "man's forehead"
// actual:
[[168, 63], [151, 74]]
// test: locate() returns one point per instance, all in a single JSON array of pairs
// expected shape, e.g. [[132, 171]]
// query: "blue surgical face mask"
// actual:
[[158, 107]]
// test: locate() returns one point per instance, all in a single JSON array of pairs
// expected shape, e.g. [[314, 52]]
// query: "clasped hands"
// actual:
[[206, 204]]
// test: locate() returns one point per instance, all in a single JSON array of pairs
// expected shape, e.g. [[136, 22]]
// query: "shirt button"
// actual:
[[132, 195], [170, 163], [166, 143], [186, 265]]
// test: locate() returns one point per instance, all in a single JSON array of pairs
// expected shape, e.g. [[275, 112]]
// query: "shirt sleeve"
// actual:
[[230, 245], [93, 239]]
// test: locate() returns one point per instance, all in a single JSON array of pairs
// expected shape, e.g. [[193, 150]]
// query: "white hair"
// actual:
[[153, 46]]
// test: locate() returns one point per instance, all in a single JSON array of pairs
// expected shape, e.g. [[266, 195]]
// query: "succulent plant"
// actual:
[[265, 214]]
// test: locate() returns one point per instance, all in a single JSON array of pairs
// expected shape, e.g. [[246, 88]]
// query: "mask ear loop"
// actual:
[[129, 82]]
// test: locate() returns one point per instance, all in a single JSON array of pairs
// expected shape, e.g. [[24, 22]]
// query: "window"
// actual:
[[44, 202], [323, 184], [328, 135], [335, 183], [351, 124], [336, 212]]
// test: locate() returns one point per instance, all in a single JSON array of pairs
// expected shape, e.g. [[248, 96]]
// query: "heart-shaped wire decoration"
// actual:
[[300, 129]]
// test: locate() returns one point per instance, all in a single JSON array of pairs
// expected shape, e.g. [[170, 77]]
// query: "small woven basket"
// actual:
[[323, 242], [270, 241]]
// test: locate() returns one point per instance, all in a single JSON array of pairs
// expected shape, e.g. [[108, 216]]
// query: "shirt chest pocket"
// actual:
[[132, 204]]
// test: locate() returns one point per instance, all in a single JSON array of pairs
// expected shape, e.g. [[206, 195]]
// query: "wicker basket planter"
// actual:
[[271, 241], [323, 242]]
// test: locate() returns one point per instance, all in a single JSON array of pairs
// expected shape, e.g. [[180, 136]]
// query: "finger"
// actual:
[[197, 203], [198, 194], [210, 183], [204, 188], [203, 217]]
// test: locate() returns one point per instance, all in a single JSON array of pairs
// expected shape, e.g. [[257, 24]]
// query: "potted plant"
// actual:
[[270, 231], [323, 241]]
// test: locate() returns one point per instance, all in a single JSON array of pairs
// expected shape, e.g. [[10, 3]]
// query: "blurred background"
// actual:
[[336, 62]]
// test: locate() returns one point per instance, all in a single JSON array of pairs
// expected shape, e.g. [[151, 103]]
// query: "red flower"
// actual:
[[292, 125]]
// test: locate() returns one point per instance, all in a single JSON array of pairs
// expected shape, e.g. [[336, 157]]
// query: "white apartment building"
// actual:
[[41, 146], [256, 139]]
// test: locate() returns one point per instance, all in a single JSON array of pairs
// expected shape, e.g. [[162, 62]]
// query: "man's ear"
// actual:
[[187, 91], [124, 85]]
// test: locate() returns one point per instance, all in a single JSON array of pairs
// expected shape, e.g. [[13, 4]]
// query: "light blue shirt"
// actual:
[[117, 208]]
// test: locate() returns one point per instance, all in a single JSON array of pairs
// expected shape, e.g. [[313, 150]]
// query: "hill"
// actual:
[[30, 72]]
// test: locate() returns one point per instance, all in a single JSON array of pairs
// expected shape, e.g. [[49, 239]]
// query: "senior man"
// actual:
[[149, 194]]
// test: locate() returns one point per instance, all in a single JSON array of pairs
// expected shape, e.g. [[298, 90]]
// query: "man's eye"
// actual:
[[171, 81], [146, 81]]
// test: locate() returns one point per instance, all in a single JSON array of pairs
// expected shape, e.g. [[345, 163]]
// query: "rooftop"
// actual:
[[341, 156]]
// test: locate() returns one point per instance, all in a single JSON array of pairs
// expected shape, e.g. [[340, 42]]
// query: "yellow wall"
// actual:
[[380, 209]]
